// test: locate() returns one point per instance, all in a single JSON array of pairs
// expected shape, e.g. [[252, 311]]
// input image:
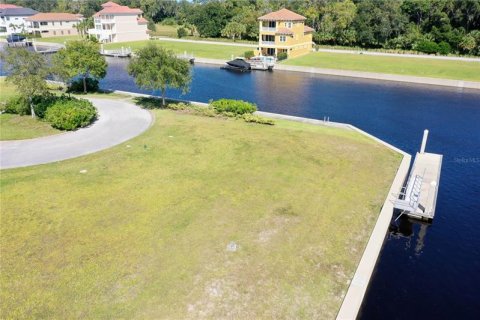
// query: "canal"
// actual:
[[424, 271]]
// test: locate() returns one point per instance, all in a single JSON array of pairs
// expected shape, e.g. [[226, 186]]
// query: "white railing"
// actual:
[[268, 43], [268, 29]]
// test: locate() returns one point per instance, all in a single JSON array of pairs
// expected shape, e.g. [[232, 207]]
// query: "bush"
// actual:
[[41, 103], [182, 32], [282, 56], [169, 22], [249, 54], [234, 106], [444, 48], [427, 46], [177, 106], [71, 114], [257, 119], [17, 105], [77, 86]]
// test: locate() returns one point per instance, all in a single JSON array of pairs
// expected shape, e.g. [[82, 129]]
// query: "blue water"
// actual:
[[424, 271], [434, 272]]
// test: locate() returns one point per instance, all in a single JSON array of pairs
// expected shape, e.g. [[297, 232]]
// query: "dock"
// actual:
[[418, 197], [117, 53]]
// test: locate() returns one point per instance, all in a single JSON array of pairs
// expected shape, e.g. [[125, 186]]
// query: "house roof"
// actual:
[[307, 29], [282, 15], [142, 20], [8, 6], [113, 8], [54, 16], [284, 31], [17, 12], [110, 4]]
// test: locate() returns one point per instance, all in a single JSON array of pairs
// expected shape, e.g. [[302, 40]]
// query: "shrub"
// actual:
[[71, 114], [427, 46], [182, 32], [282, 56], [177, 106], [444, 48], [169, 22], [249, 54], [257, 119], [234, 106], [77, 86], [42, 102], [17, 105]]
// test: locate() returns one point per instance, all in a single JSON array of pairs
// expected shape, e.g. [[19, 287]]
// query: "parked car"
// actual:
[[15, 38]]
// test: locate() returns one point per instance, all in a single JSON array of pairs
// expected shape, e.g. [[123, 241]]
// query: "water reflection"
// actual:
[[411, 230]]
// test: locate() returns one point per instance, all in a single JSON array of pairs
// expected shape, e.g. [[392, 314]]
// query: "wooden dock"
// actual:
[[418, 198]]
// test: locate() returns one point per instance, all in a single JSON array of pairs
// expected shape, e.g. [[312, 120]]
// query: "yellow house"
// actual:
[[284, 31]]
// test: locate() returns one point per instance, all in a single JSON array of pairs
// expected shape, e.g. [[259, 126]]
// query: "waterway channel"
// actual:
[[424, 271]]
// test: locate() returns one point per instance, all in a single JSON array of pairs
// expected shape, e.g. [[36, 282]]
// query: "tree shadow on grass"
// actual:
[[155, 103]]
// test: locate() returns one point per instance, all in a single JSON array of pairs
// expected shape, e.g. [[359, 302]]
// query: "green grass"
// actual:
[[15, 127], [60, 39], [165, 30], [7, 90], [460, 70], [212, 51], [144, 232]]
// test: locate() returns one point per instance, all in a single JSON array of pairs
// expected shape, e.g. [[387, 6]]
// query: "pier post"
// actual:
[[424, 141]]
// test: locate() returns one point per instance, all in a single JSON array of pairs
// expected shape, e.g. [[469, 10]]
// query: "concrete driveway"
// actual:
[[118, 121]]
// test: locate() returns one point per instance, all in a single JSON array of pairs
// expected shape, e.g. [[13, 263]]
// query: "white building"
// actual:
[[12, 19], [116, 23], [54, 24]]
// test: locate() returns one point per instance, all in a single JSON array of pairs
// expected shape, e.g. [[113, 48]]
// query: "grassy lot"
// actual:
[[460, 70], [144, 232], [201, 50], [15, 127], [60, 40], [165, 30]]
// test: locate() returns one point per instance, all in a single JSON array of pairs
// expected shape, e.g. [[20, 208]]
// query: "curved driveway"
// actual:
[[118, 121]]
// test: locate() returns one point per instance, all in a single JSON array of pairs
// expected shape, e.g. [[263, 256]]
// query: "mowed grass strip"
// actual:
[[201, 50], [421, 67], [143, 234]]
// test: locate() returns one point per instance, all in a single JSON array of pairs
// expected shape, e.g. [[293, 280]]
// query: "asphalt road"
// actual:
[[118, 122]]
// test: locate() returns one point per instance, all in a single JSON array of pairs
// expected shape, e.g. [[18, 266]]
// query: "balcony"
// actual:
[[268, 29], [268, 43]]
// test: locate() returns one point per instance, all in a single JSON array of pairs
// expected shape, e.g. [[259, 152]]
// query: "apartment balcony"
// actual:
[[268, 29], [101, 32], [268, 43]]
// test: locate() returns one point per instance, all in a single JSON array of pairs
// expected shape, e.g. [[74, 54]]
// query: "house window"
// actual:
[[61, 32], [289, 24], [61, 22], [283, 38], [3, 29], [35, 25], [44, 23], [54, 33], [68, 31], [272, 24]]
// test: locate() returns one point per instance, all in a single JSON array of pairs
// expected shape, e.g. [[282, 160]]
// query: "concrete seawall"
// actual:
[[361, 279], [365, 75]]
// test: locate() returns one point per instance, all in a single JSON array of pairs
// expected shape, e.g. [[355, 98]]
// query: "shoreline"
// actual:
[[366, 75], [353, 299]]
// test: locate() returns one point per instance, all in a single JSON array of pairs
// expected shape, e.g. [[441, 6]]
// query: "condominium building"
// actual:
[[12, 19], [54, 24], [284, 31], [116, 23]]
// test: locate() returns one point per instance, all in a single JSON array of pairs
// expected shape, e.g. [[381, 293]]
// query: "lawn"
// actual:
[[60, 39], [461, 70], [15, 127], [197, 218], [212, 51]]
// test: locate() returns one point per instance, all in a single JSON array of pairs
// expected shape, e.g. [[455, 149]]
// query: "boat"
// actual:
[[262, 63], [237, 64]]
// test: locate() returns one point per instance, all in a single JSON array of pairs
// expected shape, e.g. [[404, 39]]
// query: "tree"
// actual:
[[336, 22], [234, 30], [27, 71], [155, 68], [210, 18], [80, 58]]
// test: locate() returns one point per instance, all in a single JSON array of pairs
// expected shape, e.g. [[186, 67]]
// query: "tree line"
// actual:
[[432, 26]]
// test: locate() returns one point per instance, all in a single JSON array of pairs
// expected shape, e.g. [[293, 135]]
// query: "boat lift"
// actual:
[[418, 197]]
